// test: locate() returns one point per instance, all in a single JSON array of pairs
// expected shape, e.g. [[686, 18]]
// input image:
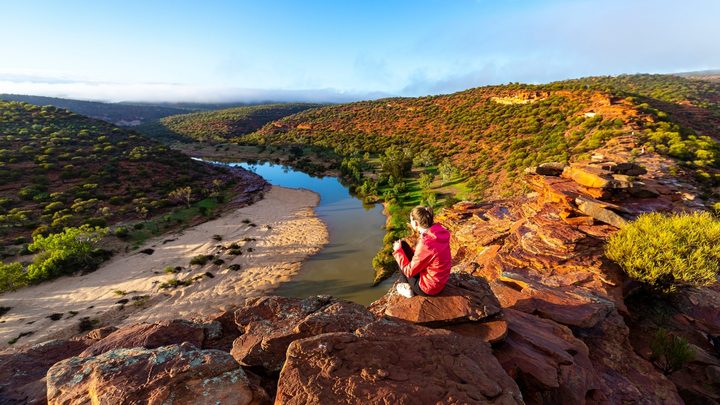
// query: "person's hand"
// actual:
[[397, 244]]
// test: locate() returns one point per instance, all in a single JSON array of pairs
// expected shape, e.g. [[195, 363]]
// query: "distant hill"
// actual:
[[220, 125], [121, 114], [709, 75], [492, 133], [60, 169]]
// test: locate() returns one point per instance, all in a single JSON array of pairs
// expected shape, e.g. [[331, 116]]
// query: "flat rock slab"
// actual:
[[389, 362], [491, 332], [175, 374], [465, 298], [269, 324], [149, 335]]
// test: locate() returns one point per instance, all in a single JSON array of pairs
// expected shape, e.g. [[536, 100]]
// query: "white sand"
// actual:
[[287, 232]]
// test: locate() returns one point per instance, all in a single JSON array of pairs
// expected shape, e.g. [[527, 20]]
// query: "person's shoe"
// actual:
[[405, 290]]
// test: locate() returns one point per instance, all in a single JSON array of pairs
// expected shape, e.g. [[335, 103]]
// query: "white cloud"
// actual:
[[162, 92]]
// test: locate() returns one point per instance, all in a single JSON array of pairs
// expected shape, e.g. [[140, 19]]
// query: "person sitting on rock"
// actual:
[[425, 269]]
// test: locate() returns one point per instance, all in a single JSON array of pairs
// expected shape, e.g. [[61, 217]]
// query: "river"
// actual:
[[343, 268]]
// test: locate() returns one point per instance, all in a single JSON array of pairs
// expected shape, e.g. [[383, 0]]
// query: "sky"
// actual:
[[338, 50]]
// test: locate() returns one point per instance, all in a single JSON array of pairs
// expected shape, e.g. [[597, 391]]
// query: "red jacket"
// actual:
[[432, 260]]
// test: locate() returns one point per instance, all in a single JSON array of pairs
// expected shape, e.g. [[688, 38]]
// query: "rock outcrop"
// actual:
[[465, 298], [175, 374], [150, 336], [22, 372], [392, 362], [563, 301], [270, 324]]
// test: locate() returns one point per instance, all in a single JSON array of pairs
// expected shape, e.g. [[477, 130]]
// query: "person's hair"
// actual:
[[423, 216]]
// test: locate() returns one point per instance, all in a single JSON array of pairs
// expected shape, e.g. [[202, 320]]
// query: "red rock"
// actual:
[[228, 331], [577, 221], [270, 324], [149, 335], [562, 305], [178, 374], [491, 331], [465, 298], [22, 372], [553, 365], [702, 305], [96, 334], [632, 378], [588, 175], [600, 211], [392, 363]]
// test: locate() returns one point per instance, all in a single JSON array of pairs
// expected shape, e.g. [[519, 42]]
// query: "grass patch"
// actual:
[[18, 337], [200, 260], [175, 283]]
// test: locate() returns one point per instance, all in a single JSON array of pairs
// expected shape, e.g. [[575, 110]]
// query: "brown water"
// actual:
[[343, 268]]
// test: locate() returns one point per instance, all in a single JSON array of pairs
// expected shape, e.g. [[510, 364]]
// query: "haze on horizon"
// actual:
[[314, 50]]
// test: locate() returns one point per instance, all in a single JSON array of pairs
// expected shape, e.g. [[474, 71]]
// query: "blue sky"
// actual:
[[339, 50]]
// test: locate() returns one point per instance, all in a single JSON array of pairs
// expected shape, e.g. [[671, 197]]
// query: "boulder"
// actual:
[[465, 298], [600, 211], [22, 372], [388, 362], [149, 335], [588, 176], [226, 334], [547, 169], [549, 363], [175, 374], [270, 324]]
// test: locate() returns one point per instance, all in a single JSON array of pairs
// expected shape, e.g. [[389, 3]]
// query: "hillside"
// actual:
[[690, 101], [220, 125], [121, 114], [493, 133], [59, 169]]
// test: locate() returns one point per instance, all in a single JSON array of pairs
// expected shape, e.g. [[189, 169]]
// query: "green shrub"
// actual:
[[121, 232], [12, 276], [74, 249], [200, 260], [670, 352], [669, 251]]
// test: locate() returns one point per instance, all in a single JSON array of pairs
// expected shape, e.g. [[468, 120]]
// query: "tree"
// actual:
[[396, 162], [74, 249], [12, 276], [447, 170], [182, 194], [425, 181]]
